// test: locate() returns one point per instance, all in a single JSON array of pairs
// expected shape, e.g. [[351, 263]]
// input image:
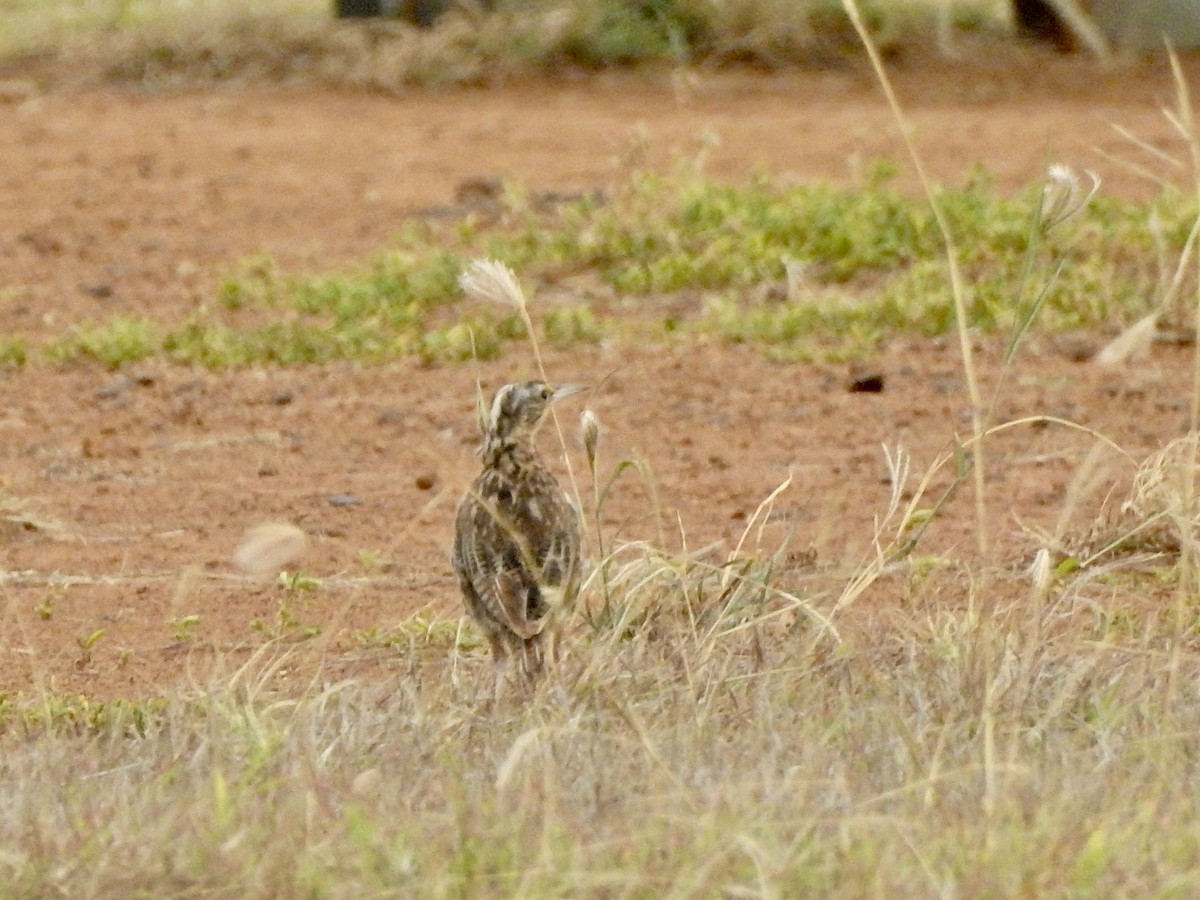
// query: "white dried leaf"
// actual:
[[267, 548], [1133, 342], [366, 783]]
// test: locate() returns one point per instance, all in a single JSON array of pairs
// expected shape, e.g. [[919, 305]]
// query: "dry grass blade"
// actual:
[[525, 744], [761, 514], [1083, 29], [1149, 149], [1136, 340], [1156, 516], [957, 287], [1191, 574], [884, 552]]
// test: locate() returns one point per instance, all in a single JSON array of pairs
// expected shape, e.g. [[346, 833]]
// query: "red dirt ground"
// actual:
[[126, 493]]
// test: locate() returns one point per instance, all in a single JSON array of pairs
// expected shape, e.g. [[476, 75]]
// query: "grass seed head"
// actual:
[[492, 281], [589, 427], [1063, 196], [1040, 571]]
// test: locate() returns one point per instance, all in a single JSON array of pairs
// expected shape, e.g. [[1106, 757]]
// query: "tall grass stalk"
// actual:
[[1184, 121], [957, 288]]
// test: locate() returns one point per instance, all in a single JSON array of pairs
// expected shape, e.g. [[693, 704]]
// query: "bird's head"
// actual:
[[518, 409]]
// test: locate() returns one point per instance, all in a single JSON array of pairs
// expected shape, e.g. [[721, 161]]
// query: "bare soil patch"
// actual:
[[126, 492]]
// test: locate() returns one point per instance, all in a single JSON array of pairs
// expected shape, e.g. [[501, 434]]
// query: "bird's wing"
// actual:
[[559, 559], [560, 556]]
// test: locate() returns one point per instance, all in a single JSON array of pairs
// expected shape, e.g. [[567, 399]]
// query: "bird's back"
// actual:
[[517, 550]]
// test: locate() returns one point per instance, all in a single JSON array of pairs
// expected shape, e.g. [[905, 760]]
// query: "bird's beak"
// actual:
[[566, 390]]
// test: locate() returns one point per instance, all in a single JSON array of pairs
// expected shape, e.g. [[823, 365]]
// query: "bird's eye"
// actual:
[[546, 392]]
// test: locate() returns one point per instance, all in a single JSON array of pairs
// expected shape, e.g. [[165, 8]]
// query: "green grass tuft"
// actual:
[[115, 342]]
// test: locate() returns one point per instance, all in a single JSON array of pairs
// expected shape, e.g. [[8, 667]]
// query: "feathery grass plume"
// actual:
[[483, 415], [267, 548], [1060, 201], [494, 282], [796, 277], [1063, 196], [491, 281]]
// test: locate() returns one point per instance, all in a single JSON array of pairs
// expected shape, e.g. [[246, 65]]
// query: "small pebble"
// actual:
[[101, 290], [117, 386], [344, 500], [871, 383], [389, 416]]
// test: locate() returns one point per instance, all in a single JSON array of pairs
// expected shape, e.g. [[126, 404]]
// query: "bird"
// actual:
[[518, 536]]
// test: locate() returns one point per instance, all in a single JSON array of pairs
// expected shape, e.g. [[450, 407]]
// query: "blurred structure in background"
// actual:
[[1145, 24], [1129, 25], [1095, 25], [419, 12], [359, 9], [1037, 19]]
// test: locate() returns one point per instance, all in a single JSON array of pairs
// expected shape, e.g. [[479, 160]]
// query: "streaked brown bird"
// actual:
[[518, 537]]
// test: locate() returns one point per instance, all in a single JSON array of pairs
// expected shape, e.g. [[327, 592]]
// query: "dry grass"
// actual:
[[742, 725], [971, 737], [751, 724], [188, 42]]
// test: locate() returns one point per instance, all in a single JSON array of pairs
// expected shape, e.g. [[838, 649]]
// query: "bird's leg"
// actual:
[[532, 658], [500, 666], [499, 651], [553, 648]]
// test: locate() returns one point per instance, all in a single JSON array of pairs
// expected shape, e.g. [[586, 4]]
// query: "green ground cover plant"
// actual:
[[804, 271]]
